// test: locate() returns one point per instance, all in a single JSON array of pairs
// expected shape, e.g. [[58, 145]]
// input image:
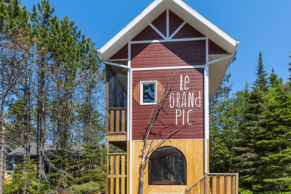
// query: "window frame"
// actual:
[[141, 92]]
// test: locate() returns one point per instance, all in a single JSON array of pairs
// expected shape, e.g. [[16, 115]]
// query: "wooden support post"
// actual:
[[117, 121], [106, 186], [123, 121], [117, 174], [206, 184], [111, 174], [236, 179], [112, 121], [123, 174], [228, 183], [221, 185], [233, 184], [213, 185]]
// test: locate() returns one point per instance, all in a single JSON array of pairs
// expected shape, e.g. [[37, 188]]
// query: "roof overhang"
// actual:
[[217, 70], [181, 9]]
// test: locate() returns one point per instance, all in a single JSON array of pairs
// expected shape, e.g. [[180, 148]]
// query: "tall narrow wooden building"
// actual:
[[169, 56]]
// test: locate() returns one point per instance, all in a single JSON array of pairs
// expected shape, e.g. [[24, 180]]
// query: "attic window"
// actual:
[[148, 92]]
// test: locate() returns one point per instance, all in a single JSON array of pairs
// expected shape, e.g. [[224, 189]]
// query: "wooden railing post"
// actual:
[[206, 183], [106, 186], [236, 180]]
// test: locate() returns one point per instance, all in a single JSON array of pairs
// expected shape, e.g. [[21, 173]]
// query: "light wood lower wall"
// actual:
[[194, 154]]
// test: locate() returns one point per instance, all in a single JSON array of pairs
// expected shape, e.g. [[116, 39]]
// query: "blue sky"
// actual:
[[260, 25]]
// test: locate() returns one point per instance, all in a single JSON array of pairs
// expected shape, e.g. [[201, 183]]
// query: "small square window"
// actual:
[[148, 92]]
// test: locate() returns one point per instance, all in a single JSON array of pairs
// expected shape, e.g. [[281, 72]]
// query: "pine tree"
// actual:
[[42, 20], [274, 81], [289, 69], [275, 147], [248, 152], [261, 80], [14, 45]]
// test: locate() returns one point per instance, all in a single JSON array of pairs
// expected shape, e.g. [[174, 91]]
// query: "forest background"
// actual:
[[52, 91]]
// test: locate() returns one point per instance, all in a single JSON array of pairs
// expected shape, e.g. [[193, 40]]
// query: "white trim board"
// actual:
[[170, 139], [168, 40], [116, 64], [168, 68], [157, 31], [117, 60], [178, 29]]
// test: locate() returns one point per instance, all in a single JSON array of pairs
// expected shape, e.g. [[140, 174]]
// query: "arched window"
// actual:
[[167, 166]]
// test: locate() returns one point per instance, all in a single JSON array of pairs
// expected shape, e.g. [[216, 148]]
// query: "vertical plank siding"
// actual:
[[193, 154]]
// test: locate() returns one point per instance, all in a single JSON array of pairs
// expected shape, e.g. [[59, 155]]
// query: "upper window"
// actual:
[[167, 166], [148, 92]]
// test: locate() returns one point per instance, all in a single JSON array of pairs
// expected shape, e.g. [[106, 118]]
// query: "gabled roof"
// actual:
[[181, 9]]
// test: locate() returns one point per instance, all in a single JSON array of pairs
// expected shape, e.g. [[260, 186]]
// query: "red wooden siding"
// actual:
[[140, 114], [161, 23], [147, 34], [168, 54], [174, 21], [188, 31], [215, 49], [121, 54]]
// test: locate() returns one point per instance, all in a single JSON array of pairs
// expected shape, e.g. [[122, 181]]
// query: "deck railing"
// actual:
[[216, 183], [116, 174], [116, 120]]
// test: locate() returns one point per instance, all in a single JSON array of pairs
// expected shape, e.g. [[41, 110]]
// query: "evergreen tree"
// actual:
[[42, 21], [274, 81], [275, 160], [17, 185], [261, 80], [289, 69], [248, 152], [229, 115], [14, 46]]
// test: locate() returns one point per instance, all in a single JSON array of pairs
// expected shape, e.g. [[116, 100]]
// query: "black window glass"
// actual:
[[167, 166], [149, 92]]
